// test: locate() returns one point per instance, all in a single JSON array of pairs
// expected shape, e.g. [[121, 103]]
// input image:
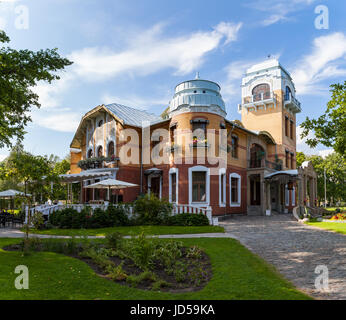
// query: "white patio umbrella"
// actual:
[[11, 193], [111, 184]]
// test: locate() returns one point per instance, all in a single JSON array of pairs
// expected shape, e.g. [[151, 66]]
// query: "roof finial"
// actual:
[[197, 75]]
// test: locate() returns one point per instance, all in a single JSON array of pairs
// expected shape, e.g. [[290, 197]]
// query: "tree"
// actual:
[[330, 127], [335, 167], [300, 158], [20, 70]]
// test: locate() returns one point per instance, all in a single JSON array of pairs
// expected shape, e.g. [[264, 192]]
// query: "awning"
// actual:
[[84, 175], [153, 171], [289, 173]]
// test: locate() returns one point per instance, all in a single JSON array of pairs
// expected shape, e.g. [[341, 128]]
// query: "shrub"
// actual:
[[37, 220], [116, 273], [141, 251], [188, 219], [63, 218], [118, 215], [151, 210], [113, 240]]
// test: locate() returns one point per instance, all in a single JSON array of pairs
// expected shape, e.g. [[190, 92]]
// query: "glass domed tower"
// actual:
[[197, 96]]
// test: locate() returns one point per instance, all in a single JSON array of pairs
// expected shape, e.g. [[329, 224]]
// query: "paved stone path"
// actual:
[[15, 233], [295, 250]]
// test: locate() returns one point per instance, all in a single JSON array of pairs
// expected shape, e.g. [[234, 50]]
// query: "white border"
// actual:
[[176, 171], [222, 171], [204, 169], [232, 204]]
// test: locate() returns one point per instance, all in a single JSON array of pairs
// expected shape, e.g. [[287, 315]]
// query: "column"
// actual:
[[269, 202]]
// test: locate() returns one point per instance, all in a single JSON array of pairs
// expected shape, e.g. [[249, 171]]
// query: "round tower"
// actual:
[[197, 95]]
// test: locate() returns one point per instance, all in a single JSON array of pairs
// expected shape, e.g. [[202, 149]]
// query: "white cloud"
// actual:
[[151, 51], [326, 60], [325, 153], [134, 101], [279, 10], [58, 121], [50, 93], [301, 143], [145, 53]]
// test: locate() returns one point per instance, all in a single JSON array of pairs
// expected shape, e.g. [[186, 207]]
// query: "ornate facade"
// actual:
[[194, 155]]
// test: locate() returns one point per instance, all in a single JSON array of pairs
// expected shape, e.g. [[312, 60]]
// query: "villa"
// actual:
[[259, 174]]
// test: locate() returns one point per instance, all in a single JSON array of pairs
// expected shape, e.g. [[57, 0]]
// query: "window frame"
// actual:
[[222, 187], [207, 171], [236, 176], [170, 173]]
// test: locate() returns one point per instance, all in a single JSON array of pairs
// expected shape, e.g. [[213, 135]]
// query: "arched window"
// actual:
[[257, 154], [261, 92], [100, 151], [110, 149], [90, 154], [100, 123]]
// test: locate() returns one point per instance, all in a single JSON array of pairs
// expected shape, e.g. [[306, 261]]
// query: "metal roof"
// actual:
[[132, 116]]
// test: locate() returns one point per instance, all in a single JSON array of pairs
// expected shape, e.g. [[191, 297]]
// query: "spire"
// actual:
[[197, 75]]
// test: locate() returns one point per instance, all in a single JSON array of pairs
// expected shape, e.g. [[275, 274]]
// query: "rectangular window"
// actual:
[[291, 129], [174, 187], [292, 161], [287, 159], [234, 147], [234, 190], [286, 126], [199, 186], [222, 188], [293, 196]]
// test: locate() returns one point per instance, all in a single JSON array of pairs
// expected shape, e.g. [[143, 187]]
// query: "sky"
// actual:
[[134, 52]]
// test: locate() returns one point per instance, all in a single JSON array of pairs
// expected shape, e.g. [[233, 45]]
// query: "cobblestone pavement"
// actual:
[[295, 250]]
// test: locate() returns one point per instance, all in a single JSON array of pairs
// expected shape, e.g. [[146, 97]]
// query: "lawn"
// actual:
[[237, 274], [132, 230], [333, 226], [334, 208]]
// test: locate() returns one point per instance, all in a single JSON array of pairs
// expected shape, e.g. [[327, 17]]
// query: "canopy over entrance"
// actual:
[[84, 175]]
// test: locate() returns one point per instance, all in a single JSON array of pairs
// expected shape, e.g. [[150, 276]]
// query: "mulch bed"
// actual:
[[130, 269]]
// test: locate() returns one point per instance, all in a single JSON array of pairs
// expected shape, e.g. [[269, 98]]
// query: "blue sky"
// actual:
[[135, 52]]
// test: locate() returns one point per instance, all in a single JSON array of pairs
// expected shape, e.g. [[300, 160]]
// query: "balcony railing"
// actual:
[[259, 99], [290, 100], [263, 163]]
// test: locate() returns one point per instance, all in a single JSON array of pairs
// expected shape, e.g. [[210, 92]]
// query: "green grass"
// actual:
[[334, 208], [237, 274], [132, 230], [333, 226]]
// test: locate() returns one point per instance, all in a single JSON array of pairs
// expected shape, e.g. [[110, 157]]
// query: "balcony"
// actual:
[[257, 100], [292, 103], [264, 164]]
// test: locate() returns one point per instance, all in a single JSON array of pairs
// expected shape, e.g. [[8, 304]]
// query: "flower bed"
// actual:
[[140, 262]]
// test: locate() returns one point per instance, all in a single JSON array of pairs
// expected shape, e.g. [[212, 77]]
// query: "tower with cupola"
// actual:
[[269, 104]]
